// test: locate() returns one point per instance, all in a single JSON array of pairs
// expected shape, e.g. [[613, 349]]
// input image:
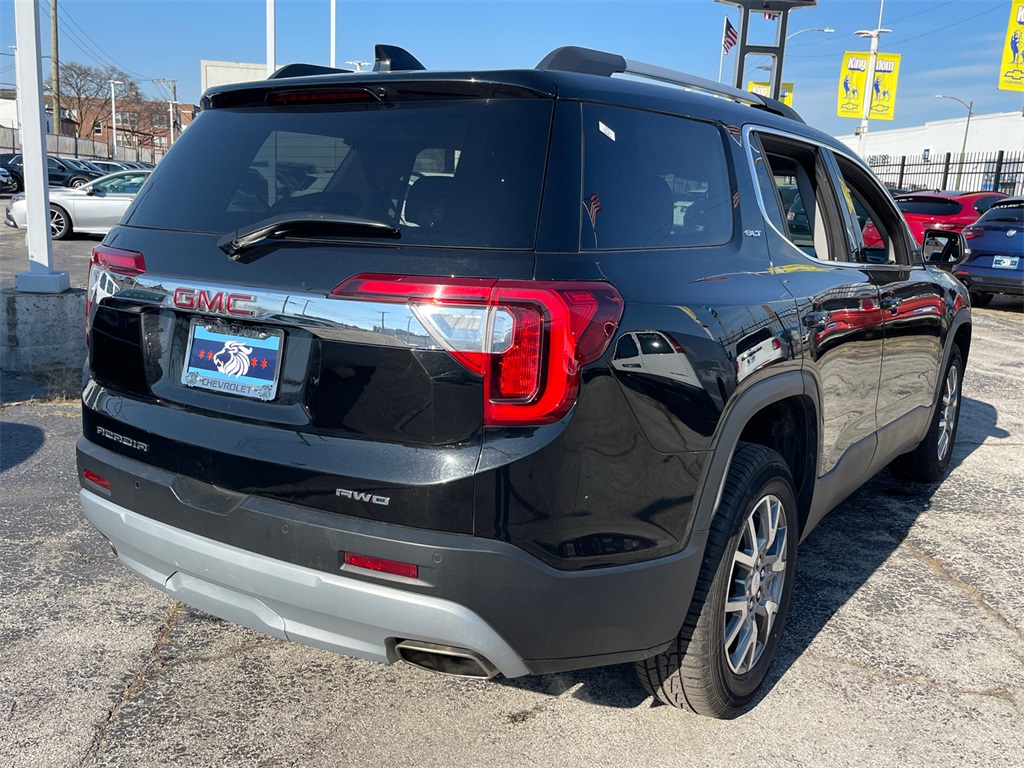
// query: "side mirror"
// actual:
[[944, 249]]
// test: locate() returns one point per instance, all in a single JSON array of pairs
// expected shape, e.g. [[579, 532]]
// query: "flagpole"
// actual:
[[721, 51]]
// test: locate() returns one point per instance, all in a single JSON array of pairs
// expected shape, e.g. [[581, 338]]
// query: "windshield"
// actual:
[[1004, 213], [447, 173]]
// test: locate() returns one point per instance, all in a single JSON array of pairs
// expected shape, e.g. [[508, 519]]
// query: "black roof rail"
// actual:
[[587, 61], [305, 70], [391, 58]]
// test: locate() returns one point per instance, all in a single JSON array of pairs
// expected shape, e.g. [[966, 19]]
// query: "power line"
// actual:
[[119, 65]]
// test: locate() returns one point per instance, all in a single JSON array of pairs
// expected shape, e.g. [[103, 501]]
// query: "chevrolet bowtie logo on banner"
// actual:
[[854, 88], [1011, 69]]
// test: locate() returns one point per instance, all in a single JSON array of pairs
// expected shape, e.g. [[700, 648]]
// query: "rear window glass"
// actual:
[[446, 173], [1007, 213], [929, 206], [652, 181]]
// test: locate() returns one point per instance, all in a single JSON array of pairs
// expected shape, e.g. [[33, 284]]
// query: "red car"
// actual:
[[944, 210]]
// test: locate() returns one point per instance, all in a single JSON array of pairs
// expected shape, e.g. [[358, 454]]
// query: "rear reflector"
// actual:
[[393, 567], [527, 339], [95, 479]]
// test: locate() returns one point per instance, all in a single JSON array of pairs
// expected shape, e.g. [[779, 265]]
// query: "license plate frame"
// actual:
[[237, 360], [1005, 262]]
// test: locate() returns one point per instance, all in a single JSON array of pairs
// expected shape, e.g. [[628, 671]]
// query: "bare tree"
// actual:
[[86, 90]]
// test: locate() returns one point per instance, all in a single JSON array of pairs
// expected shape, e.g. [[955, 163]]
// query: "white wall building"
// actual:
[[988, 133], [227, 72]]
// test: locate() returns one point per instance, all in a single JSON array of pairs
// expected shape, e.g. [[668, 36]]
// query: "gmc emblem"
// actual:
[[219, 303]]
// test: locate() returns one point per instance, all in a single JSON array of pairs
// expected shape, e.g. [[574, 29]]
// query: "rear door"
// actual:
[[837, 299]]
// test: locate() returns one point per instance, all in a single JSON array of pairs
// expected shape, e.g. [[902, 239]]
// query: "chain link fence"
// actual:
[[975, 172]]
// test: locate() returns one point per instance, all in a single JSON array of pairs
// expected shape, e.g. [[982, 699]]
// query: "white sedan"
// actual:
[[92, 209]]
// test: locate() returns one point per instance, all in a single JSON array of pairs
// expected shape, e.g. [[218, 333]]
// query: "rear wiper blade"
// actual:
[[307, 225]]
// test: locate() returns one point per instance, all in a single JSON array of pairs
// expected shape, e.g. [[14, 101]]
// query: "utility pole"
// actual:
[[55, 61]]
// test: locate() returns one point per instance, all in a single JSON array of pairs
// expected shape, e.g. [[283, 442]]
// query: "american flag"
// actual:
[[730, 37], [593, 206]]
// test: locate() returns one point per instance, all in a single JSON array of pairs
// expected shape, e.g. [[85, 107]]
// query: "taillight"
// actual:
[[118, 260], [944, 225], [972, 232], [526, 339]]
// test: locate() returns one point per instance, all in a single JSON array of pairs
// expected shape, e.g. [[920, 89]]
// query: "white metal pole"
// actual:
[[40, 277], [334, 31], [270, 38], [721, 51], [113, 114], [170, 117], [869, 82]]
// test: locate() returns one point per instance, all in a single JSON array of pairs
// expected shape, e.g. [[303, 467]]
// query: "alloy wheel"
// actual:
[[58, 222], [756, 584], [949, 407]]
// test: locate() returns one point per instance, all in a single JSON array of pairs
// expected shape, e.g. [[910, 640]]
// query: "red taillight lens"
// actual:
[[128, 263], [527, 339], [972, 232], [944, 225], [318, 96], [118, 260], [393, 567], [95, 479]]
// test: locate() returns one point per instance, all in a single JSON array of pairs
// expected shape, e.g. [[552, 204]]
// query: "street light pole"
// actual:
[[874, 34], [967, 128], [113, 113]]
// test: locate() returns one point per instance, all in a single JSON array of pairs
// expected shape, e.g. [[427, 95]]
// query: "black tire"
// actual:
[[698, 671], [979, 299], [19, 184], [930, 460], [60, 223], [77, 182]]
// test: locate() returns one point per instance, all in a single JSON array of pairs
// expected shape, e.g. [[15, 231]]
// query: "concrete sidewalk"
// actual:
[[905, 645]]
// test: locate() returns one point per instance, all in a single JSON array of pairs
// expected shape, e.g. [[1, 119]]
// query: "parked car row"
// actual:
[[62, 171], [92, 208]]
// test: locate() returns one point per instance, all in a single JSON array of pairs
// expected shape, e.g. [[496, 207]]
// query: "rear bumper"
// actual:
[[993, 281], [276, 567], [287, 601]]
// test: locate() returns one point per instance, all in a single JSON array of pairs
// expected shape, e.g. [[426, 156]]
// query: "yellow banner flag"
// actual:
[[854, 88], [763, 89], [1011, 69]]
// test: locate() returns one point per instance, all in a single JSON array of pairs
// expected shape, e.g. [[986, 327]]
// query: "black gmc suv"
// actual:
[[508, 372]]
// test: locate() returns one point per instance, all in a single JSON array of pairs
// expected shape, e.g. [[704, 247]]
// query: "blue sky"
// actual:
[[948, 46]]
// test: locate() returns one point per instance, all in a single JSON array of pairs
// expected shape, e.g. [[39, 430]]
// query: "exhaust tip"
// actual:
[[446, 659]]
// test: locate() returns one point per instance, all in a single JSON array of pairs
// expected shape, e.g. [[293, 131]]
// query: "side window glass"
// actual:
[[878, 226], [652, 181], [654, 344], [802, 186], [626, 348], [776, 204]]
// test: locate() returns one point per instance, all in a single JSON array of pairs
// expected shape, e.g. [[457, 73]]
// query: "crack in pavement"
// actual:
[[939, 569], [1003, 694], [152, 667]]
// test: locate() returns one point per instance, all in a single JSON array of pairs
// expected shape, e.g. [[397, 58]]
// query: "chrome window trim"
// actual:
[[748, 148]]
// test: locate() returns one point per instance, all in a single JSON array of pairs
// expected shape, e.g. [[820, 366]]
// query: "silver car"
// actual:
[[91, 209]]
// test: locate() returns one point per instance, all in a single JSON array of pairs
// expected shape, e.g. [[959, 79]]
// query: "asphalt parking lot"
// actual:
[[905, 645]]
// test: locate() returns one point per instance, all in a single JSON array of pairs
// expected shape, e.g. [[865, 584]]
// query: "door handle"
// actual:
[[890, 303]]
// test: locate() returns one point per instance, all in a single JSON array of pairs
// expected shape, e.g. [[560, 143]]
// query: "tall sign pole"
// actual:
[[41, 277], [778, 9]]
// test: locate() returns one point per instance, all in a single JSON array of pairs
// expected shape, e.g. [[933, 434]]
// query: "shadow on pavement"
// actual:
[[18, 442], [839, 556]]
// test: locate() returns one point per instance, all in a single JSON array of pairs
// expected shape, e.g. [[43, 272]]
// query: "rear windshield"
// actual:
[[1013, 214], [929, 206], [445, 173]]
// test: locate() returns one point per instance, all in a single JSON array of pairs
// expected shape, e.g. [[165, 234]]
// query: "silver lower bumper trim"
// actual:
[[337, 613]]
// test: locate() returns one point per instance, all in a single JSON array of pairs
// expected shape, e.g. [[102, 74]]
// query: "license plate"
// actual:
[[1005, 262], [233, 360]]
